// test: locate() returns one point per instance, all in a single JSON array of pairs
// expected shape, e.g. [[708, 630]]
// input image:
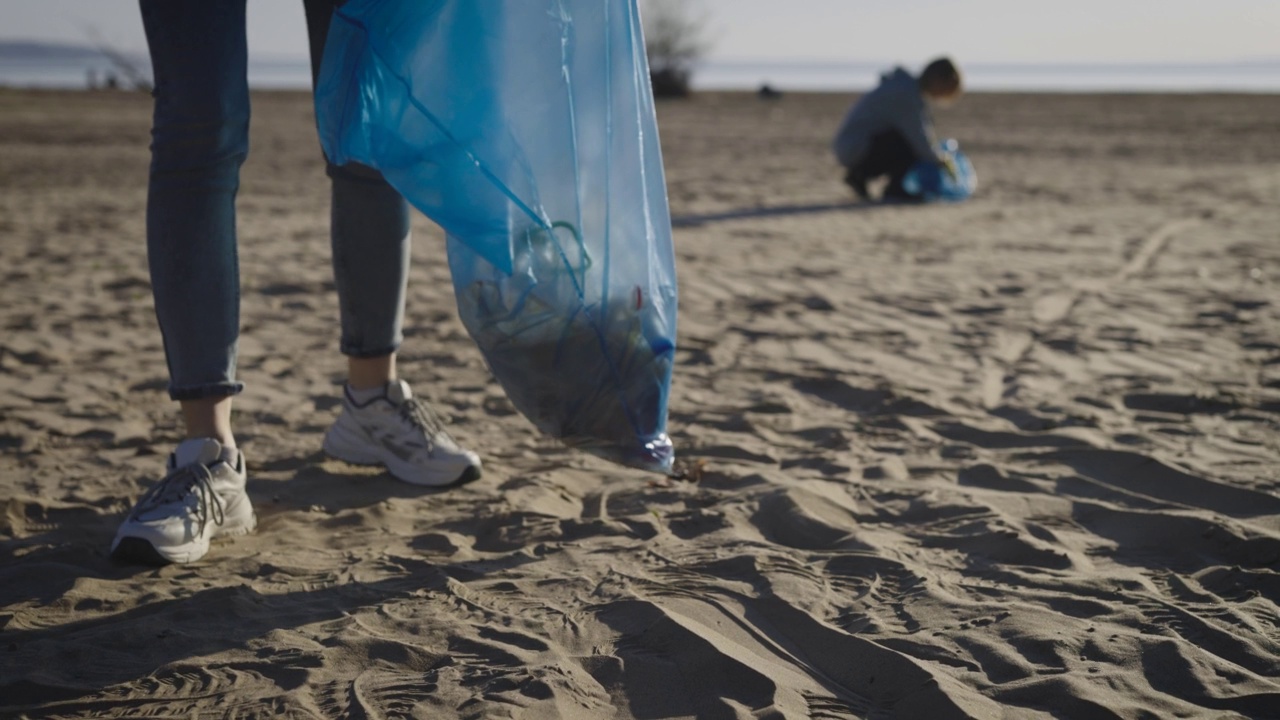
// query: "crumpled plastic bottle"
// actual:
[[527, 131]]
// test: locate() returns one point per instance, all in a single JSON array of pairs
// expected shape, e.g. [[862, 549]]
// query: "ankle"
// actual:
[[370, 373], [209, 418]]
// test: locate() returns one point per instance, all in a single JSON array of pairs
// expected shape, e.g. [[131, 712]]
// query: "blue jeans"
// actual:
[[200, 137]]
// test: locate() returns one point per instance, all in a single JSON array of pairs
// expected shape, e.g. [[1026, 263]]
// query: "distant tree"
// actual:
[[130, 69], [675, 37]]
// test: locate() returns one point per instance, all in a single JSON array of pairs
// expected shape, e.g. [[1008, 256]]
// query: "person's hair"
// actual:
[[941, 74]]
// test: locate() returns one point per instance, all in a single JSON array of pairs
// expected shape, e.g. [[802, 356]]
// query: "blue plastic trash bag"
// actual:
[[526, 129], [929, 181]]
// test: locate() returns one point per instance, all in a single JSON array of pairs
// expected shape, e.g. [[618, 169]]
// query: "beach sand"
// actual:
[[1013, 458]]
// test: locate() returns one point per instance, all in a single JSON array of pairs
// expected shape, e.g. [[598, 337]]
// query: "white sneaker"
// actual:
[[201, 496], [403, 434]]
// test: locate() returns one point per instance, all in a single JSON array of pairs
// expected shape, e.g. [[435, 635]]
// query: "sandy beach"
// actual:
[[1012, 458]]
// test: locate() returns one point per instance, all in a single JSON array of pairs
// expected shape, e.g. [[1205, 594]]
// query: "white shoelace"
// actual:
[[420, 416], [177, 485]]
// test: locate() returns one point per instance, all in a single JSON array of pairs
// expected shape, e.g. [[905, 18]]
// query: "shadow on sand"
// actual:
[[776, 211]]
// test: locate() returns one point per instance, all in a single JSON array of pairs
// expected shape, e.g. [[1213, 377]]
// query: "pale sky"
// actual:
[[1063, 31]]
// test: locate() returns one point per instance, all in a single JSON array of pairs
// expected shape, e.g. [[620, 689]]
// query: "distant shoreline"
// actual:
[[51, 65], [727, 93]]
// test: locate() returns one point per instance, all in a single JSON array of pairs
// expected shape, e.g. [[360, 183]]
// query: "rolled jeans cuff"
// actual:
[[209, 390], [355, 350]]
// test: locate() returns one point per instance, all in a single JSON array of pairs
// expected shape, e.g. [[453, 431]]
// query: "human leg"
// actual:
[[382, 422], [370, 373], [200, 137], [857, 181], [208, 417], [369, 234], [199, 140], [890, 155]]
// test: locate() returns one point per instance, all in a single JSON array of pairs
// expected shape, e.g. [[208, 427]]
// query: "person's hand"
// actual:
[[948, 164]]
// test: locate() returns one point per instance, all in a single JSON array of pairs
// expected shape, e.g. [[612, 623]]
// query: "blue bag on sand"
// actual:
[[929, 181], [526, 129]]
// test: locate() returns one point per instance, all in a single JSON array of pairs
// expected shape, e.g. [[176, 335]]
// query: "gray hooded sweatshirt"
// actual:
[[896, 104]]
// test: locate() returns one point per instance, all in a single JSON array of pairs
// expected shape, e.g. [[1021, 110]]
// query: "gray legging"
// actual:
[[200, 138]]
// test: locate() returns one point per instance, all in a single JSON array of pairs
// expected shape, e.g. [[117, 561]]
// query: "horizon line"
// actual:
[[784, 61]]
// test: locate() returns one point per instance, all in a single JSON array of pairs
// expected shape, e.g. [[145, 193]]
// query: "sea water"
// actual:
[[748, 74]]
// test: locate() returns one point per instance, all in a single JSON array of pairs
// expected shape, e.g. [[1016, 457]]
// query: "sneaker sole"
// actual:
[[338, 444], [136, 551], [131, 550], [469, 474]]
